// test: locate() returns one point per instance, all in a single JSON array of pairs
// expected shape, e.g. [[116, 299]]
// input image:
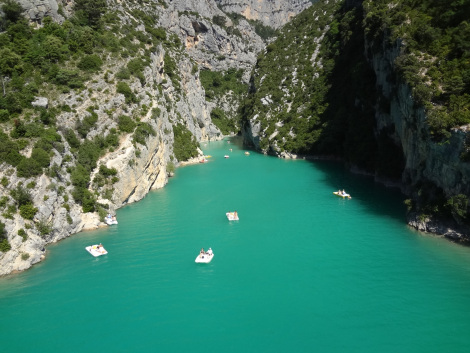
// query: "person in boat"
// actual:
[[202, 251], [344, 192], [235, 214]]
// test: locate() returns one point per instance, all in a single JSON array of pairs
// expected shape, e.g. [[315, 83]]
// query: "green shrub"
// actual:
[[126, 124], [23, 234], [4, 115], [28, 211], [21, 196], [4, 245], [84, 126], [90, 63], [185, 145], [124, 89], [44, 227], [222, 122], [123, 73], [24, 256], [106, 172], [143, 131]]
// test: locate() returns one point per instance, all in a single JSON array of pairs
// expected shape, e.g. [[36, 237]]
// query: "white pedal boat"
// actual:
[[205, 257], [341, 194], [109, 220], [232, 216], [96, 250]]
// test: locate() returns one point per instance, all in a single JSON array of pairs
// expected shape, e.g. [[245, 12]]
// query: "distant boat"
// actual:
[[342, 194], [226, 156], [247, 153], [205, 256], [232, 216], [96, 250], [109, 220]]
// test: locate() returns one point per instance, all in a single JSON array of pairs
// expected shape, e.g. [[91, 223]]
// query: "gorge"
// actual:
[[130, 89]]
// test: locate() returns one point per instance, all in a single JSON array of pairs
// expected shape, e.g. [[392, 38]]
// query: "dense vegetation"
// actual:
[[224, 88], [51, 59], [314, 92], [435, 59]]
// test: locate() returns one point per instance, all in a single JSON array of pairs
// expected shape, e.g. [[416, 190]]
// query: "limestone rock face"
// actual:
[[36, 10], [273, 13], [439, 163], [162, 103]]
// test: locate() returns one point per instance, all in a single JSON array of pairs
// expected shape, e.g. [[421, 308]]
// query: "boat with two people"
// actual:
[[342, 193], [109, 220], [232, 216], [205, 256], [96, 250]]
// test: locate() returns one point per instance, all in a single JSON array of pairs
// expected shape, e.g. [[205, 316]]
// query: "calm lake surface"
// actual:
[[303, 270]]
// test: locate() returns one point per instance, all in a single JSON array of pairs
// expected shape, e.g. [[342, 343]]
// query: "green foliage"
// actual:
[[43, 227], [222, 122], [435, 37], [89, 12], [219, 20], [136, 68], [458, 207], [124, 88], [123, 73], [28, 211], [143, 131], [12, 10], [71, 138], [84, 126], [126, 124], [9, 150], [21, 196], [170, 167], [171, 70], [185, 144], [90, 63], [23, 234], [4, 245], [216, 84], [106, 172]]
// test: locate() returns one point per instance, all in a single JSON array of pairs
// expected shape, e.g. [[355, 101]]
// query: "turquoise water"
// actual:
[[303, 270]]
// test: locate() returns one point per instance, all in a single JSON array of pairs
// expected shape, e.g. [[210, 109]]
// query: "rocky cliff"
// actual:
[[163, 97], [273, 13], [438, 164]]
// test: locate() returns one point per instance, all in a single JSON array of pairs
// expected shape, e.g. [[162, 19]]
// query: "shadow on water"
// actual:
[[375, 197]]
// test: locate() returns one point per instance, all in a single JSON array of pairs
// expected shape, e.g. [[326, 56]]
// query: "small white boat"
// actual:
[[226, 156], [96, 250], [247, 153], [205, 256], [232, 216], [342, 194], [109, 220]]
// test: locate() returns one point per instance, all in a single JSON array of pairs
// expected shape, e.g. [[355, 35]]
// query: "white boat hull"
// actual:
[[231, 216], [204, 258], [342, 195], [96, 250]]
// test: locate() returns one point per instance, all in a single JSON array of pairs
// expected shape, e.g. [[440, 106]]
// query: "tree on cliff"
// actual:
[[12, 13], [89, 12]]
